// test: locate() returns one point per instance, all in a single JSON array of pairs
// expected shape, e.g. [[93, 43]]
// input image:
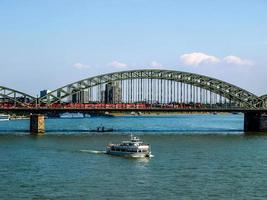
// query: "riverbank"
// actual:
[[16, 117], [118, 114]]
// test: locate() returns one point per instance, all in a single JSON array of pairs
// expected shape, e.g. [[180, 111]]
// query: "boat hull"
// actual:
[[129, 154]]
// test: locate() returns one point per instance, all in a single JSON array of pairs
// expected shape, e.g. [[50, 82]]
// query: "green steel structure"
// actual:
[[16, 97], [149, 86], [163, 86], [264, 100]]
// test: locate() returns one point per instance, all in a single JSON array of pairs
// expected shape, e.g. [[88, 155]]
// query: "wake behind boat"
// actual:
[[133, 148]]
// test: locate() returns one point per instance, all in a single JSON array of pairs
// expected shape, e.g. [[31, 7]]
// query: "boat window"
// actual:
[[117, 149]]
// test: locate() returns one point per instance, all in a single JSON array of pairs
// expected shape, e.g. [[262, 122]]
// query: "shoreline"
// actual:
[[136, 114], [169, 114]]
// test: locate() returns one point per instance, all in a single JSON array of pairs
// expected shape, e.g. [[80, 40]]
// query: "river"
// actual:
[[195, 157]]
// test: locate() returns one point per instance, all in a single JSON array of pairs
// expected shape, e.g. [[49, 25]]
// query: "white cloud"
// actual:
[[237, 60], [81, 66], [155, 64], [117, 64], [197, 58]]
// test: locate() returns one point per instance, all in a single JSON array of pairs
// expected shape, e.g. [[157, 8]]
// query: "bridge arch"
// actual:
[[15, 97], [264, 100], [244, 98], [264, 97]]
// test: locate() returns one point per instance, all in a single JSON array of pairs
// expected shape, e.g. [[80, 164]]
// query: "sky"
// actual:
[[46, 44]]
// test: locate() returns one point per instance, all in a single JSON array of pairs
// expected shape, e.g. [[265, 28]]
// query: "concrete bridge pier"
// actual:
[[255, 122], [37, 124]]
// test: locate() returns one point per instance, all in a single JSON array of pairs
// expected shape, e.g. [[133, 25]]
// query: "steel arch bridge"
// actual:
[[10, 98], [264, 100], [155, 85]]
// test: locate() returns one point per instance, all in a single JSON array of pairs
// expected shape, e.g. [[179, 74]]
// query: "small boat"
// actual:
[[71, 115], [103, 129], [4, 117], [134, 148]]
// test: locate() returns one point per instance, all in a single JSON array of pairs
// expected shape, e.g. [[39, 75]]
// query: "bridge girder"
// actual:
[[264, 100], [8, 95], [227, 90]]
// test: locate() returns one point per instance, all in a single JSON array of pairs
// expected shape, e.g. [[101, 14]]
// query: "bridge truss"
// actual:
[[154, 87], [13, 98], [264, 100]]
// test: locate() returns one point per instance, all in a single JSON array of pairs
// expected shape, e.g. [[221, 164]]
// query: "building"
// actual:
[[112, 93], [80, 97], [103, 96], [44, 93]]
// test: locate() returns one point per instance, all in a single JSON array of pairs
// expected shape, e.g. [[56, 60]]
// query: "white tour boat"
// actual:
[[4, 117], [133, 148]]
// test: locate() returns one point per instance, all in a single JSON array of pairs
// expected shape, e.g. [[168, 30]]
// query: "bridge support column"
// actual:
[[255, 122], [37, 124]]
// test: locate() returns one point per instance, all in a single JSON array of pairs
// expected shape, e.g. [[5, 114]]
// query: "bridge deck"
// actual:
[[93, 110]]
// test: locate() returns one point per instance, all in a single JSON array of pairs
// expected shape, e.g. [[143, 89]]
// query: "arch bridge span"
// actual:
[[10, 98], [156, 87], [263, 98]]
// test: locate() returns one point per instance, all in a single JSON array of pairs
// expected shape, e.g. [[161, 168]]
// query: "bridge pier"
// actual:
[[37, 124], [255, 122]]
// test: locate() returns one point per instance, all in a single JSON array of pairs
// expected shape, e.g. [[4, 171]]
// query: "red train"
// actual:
[[104, 106]]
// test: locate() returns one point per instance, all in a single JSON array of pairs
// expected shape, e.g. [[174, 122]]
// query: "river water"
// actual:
[[195, 157]]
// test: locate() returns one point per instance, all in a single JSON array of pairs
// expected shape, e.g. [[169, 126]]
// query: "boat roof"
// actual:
[[130, 141]]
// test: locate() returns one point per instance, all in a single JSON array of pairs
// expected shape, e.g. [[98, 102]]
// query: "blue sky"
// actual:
[[48, 43]]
